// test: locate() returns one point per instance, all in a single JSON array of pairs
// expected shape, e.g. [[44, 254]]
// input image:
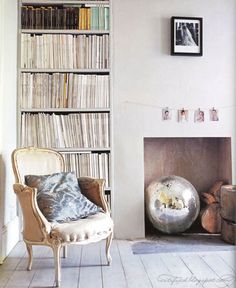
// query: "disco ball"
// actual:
[[172, 204]]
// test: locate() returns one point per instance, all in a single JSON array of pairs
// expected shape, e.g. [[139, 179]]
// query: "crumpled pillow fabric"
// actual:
[[59, 197]]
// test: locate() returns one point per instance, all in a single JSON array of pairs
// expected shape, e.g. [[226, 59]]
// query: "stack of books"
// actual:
[[94, 17], [94, 165], [75, 130], [52, 51], [64, 90]]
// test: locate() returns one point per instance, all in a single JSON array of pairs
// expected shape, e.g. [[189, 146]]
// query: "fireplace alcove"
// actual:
[[200, 160]]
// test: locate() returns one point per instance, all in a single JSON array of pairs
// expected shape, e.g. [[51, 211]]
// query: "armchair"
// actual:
[[37, 230]]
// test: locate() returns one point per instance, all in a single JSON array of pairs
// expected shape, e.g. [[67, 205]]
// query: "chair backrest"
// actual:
[[36, 161]]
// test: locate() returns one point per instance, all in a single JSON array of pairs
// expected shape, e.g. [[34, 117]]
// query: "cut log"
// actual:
[[213, 195], [215, 189], [211, 219], [208, 198], [228, 231], [228, 202]]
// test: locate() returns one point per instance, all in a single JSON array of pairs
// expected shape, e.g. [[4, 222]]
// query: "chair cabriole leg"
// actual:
[[57, 260], [108, 245], [30, 256]]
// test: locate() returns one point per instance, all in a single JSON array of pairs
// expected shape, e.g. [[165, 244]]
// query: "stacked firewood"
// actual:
[[210, 214], [228, 213]]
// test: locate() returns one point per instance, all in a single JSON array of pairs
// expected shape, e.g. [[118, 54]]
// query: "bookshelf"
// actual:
[[64, 92]]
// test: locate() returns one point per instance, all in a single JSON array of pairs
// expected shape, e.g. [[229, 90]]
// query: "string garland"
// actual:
[[181, 107], [183, 113]]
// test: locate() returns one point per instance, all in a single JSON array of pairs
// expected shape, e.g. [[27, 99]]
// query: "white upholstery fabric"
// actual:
[[90, 229], [37, 162]]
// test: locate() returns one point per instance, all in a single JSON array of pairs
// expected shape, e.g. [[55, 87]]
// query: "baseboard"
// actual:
[[10, 236]]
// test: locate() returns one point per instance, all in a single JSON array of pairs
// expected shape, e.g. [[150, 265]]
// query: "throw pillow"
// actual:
[[59, 197]]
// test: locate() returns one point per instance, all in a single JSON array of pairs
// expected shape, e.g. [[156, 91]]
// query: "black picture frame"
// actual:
[[186, 36]]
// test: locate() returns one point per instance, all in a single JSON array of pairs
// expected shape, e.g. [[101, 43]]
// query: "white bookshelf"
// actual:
[[60, 70], [101, 153], [65, 110], [63, 2], [83, 150], [65, 31]]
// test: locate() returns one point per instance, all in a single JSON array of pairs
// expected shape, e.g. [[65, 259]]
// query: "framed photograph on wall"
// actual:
[[186, 36]]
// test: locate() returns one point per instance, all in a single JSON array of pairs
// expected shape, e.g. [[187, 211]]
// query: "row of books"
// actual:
[[94, 165], [81, 130], [52, 51], [61, 17], [64, 90]]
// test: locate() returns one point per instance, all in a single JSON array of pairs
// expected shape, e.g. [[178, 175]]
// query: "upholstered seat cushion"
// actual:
[[92, 228]]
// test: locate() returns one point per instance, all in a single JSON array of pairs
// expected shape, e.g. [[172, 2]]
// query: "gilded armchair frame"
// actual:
[[36, 229]]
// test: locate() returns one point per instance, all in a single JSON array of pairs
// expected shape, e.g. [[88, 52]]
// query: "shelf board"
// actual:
[[64, 110], [82, 150], [62, 2], [65, 70], [64, 31]]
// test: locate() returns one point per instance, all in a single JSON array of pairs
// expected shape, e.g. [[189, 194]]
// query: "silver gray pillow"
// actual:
[[59, 197]]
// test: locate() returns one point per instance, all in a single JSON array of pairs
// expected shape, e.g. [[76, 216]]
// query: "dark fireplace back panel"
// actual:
[[201, 161]]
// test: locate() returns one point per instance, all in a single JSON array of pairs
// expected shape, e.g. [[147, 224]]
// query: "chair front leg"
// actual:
[[30, 256], [57, 261], [108, 245]]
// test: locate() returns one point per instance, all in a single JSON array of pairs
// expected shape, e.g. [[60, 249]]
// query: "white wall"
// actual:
[[1, 101], [8, 67], [146, 77]]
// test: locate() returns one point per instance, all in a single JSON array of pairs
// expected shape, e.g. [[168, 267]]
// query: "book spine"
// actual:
[[107, 18]]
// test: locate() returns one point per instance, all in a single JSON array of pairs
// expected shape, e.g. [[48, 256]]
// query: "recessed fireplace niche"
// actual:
[[201, 161]]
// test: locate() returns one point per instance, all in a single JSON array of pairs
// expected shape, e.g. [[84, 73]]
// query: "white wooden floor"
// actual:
[[85, 267]]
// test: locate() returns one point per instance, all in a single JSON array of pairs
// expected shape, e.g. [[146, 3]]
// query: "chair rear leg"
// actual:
[[65, 252], [30, 256], [57, 261], [108, 245]]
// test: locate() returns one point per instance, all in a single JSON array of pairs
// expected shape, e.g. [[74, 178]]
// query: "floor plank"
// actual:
[[202, 273], [21, 277], [135, 274], [11, 263], [14, 257], [180, 275], [90, 267], [229, 258], [44, 271], [156, 270], [5, 277], [14, 286], [70, 267], [216, 263], [86, 267], [113, 275]]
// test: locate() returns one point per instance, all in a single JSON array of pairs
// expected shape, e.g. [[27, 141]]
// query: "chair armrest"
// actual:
[[36, 228], [93, 189]]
